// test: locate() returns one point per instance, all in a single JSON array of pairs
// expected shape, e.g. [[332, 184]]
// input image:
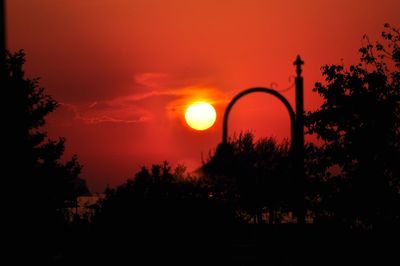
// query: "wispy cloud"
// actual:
[[133, 108], [102, 112]]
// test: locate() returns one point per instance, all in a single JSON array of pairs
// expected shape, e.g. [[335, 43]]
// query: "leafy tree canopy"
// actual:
[[44, 183], [255, 175], [359, 124]]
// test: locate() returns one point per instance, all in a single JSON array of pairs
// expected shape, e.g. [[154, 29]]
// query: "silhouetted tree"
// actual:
[[42, 184], [159, 187], [359, 124], [161, 211], [253, 174]]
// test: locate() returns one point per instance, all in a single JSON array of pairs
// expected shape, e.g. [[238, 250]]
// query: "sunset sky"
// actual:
[[124, 71]]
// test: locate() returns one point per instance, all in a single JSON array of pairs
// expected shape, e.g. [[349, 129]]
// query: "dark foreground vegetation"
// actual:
[[238, 208]]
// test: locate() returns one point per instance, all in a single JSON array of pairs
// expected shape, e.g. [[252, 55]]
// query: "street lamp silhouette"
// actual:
[[297, 133]]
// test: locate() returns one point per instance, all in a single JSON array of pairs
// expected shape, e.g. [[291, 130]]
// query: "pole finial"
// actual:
[[298, 63]]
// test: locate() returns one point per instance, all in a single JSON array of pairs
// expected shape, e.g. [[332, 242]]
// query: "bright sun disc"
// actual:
[[200, 115]]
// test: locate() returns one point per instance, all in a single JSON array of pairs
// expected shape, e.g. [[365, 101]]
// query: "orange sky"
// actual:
[[124, 70]]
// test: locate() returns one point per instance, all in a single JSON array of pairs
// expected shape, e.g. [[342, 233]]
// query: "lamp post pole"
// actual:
[[297, 135], [299, 142]]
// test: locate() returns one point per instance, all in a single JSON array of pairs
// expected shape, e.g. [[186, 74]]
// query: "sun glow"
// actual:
[[200, 115]]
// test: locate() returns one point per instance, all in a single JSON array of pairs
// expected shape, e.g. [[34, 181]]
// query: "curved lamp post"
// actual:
[[248, 91], [297, 133]]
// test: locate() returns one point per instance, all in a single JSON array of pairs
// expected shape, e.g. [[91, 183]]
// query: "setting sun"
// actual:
[[200, 115]]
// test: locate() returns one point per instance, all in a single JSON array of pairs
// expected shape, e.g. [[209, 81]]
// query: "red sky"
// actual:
[[124, 70]]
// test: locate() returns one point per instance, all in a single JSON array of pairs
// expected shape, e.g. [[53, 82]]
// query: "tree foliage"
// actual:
[[44, 182], [163, 210], [151, 193], [359, 124], [255, 175]]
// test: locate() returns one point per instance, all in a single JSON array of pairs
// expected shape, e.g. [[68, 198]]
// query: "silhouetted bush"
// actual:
[[255, 176]]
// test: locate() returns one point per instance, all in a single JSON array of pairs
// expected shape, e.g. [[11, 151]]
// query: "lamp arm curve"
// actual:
[[252, 90]]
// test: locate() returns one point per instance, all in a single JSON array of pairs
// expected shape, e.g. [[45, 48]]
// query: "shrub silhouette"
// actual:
[[254, 175], [164, 212]]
